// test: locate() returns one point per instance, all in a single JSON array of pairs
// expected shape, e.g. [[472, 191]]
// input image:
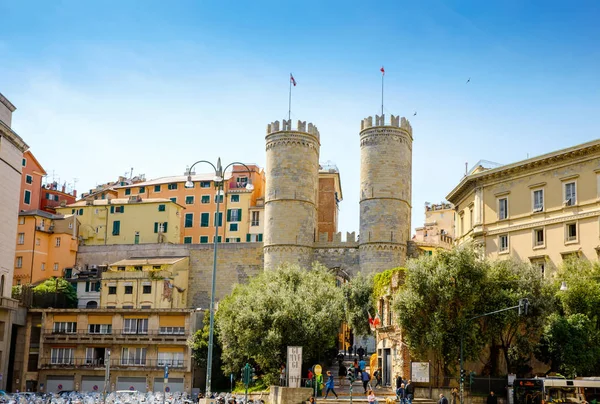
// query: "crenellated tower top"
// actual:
[[395, 121], [286, 126]]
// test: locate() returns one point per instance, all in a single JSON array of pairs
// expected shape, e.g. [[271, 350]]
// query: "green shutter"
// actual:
[[229, 215], [127, 191], [122, 209], [239, 215], [165, 226], [112, 209], [73, 211], [81, 212], [259, 238], [156, 227], [247, 238]]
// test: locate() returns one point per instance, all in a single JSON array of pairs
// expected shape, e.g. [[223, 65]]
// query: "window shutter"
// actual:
[[80, 212], [156, 227], [165, 226], [239, 215], [112, 209], [229, 215], [122, 209], [247, 238], [259, 238]]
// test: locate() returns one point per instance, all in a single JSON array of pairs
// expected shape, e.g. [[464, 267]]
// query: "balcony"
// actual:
[[8, 303], [125, 336], [116, 363]]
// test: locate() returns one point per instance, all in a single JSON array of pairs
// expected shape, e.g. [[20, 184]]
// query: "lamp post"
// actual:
[[219, 180]]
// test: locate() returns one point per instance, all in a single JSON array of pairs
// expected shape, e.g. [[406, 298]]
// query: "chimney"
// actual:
[[63, 188], [75, 193]]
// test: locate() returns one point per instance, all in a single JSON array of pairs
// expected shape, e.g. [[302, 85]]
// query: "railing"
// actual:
[[114, 332], [237, 185], [47, 363], [10, 304]]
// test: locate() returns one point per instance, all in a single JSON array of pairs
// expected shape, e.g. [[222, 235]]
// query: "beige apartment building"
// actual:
[[542, 210], [11, 166], [438, 229]]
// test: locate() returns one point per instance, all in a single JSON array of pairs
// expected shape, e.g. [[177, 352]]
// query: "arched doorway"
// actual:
[[91, 305]]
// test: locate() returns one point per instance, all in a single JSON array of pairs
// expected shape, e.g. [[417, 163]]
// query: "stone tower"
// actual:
[[292, 177], [385, 192]]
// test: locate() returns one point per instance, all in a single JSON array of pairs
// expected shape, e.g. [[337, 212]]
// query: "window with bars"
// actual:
[[64, 327]]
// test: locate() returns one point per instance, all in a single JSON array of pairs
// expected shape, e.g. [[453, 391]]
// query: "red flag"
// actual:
[[371, 322], [382, 71], [376, 320], [292, 80]]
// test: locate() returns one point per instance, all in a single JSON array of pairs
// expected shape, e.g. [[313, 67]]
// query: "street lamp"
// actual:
[[219, 181]]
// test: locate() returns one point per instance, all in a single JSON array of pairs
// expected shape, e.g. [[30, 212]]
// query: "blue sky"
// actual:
[[104, 86]]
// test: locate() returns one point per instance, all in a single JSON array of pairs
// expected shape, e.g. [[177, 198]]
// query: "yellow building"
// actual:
[[130, 220], [67, 349], [543, 209], [144, 283]]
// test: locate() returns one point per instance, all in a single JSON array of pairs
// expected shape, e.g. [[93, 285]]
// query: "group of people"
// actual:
[[405, 392]]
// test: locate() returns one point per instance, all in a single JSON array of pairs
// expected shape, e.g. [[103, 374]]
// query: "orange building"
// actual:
[[31, 183], [199, 217], [46, 245]]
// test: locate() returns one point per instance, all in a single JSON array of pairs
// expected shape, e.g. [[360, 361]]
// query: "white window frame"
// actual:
[[133, 356], [56, 266], [57, 242], [100, 329], [535, 239], [171, 330], [500, 199], [506, 250], [575, 239], [64, 327], [21, 239], [568, 201], [541, 208], [135, 326], [62, 356], [190, 196], [19, 263], [173, 359], [255, 222]]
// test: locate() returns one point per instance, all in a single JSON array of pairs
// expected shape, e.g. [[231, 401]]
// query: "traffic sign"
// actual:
[[318, 369]]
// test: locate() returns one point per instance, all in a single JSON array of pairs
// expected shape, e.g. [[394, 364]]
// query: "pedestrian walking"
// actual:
[[442, 400], [362, 365], [377, 376], [492, 399], [371, 397], [365, 377], [399, 383], [342, 374], [361, 352], [409, 389], [356, 368], [353, 350], [282, 375], [454, 394], [401, 394], [330, 384]]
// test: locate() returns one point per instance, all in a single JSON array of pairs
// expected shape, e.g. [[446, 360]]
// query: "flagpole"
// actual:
[[382, 76], [290, 100]]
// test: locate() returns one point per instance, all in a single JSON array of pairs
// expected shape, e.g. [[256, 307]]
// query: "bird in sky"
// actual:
[[468, 81], [415, 114]]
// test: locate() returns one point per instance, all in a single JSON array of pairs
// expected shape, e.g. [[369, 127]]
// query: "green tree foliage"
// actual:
[[382, 281], [276, 309], [582, 296], [199, 344], [55, 292], [571, 345], [358, 303], [507, 282], [448, 287]]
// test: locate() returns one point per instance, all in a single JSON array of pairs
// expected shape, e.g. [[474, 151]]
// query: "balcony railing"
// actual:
[[48, 363], [115, 335]]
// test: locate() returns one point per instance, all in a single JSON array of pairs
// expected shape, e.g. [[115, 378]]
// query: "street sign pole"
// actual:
[[166, 381]]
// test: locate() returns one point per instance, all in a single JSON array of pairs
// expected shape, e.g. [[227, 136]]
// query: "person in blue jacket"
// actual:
[[330, 384]]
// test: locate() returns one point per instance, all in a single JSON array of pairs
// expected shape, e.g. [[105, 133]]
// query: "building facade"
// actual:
[[31, 183], [437, 230], [46, 245], [12, 148], [330, 195], [200, 202], [67, 349], [53, 197], [132, 220], [542, 210]]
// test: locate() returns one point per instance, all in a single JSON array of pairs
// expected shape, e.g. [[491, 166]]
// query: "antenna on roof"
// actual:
[[466, 167]]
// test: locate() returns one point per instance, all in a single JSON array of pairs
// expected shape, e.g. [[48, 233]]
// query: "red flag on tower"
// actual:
[[382, 70], [292, 80]]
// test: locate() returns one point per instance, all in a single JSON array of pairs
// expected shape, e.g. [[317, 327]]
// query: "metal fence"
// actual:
[[480, 385]]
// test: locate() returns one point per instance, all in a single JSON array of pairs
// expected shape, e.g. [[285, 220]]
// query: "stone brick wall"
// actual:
[[291, 175]]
